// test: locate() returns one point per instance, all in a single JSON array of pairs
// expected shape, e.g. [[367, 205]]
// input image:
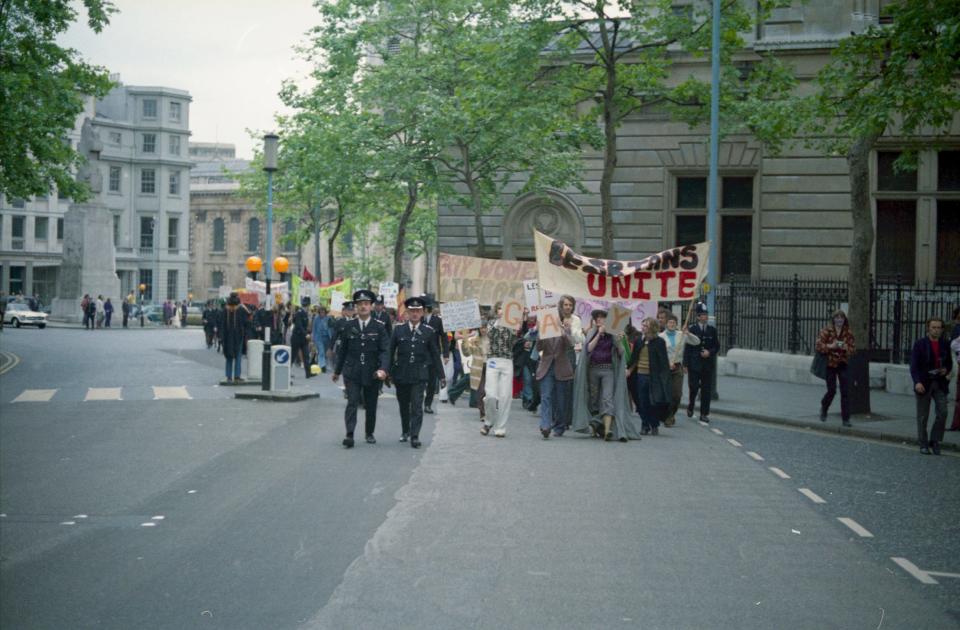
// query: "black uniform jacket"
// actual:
[[434, 322], [360, 355], [708, 341], [413, 353], [384, 318]]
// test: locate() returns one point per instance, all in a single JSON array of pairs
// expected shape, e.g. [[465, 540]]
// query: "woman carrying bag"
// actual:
[[836, 343]]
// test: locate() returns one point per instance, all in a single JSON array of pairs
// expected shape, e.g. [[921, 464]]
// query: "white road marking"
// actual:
[[80, 516], [69, 523], [810, 494], [148, 524], [171, 393], [3, 516], [158, 518], [915, 571], [103, 393], [191, 491], [858, 529], [35, 395], [755, 456], [717, 431], [734, 442], [779, 473]]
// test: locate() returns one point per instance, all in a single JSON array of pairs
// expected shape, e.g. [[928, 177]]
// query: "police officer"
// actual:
[[381, 315], [362, 359], [700, 362], [443, 345], [414, 354]]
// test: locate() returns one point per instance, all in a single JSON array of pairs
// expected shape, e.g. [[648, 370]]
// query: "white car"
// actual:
[[20, 314]]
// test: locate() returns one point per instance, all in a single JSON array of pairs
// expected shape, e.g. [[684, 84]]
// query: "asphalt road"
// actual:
[[208, 512]]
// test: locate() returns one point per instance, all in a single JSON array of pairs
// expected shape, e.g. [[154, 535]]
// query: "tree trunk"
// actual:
[[316, 244], [610, 115], [401, 240], [858, 159], [475, 202], [331, 242]]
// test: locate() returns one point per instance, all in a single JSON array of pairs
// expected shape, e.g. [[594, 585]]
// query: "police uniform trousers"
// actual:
[[701, 381], [410, 398], [432, 387], [359, 394]]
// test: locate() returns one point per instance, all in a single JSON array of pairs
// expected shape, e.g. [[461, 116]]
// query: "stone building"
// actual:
[[144, 131], [779, 215]]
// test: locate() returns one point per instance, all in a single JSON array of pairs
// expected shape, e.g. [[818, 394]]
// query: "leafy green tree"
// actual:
[[42, 91]]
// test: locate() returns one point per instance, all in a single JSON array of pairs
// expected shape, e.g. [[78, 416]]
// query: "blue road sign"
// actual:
[[281, 356]]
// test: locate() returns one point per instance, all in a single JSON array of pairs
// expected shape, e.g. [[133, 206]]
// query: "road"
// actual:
[[137, 493]]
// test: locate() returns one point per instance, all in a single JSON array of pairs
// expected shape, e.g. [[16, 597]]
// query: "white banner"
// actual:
[[389, 291], [460, 315], [671, 275], [336, 302]]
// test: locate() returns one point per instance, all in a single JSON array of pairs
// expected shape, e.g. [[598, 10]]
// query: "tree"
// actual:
[[898, 79], [42, 91]]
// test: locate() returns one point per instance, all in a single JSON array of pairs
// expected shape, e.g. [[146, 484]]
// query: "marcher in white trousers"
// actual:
[[499, 389]]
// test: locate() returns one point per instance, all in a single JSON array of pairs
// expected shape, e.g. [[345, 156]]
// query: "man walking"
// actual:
[[413, 355], [443, 345], [362, 358], [930, 367], [700, 362], [381, 315]]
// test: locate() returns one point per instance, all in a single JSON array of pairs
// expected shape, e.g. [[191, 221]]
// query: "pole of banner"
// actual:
[[713, 188]]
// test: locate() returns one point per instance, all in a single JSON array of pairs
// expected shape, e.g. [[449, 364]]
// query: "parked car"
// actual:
[[19, 314], [194, 316]]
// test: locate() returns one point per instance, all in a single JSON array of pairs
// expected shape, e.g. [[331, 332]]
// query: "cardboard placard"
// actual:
[[511, 314], [389, 291], [548, 323], [617, 319], [460, 315], [336, 302]]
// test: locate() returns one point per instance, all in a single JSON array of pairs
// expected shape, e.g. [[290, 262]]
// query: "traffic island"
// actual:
[[294, 394], [226, 383]]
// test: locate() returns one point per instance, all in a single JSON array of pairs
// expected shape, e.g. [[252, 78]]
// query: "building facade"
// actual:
[[779, 215], [144, 168]]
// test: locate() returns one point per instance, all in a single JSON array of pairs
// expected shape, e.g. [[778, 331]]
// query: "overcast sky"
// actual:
[[231, 55]]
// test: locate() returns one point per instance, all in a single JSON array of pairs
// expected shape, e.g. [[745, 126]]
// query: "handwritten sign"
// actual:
[[548, 323], [389, 291], [617, 319], [461, 315], [487, 280], [336, 302], [638, 310]]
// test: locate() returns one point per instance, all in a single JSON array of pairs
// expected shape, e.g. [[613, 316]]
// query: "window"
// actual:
[[16, 232], [393, 45], [896, 239], [175, 145], [149, 108], [59, 229], [171, 284], [175, 112], [18, 203], [114, 179], [116, 138], [691, 192], [737, 192], [219, 236], [41, 226], [173, 229], [948, 170], [62, 195], [149, 143], [146, 232], [948, 241], [253, 237], [146, 278], [216, 279], [174, 188], [116, 229], [888, 178], [736, 246], [16, 279], [691, 229], [148, 181]]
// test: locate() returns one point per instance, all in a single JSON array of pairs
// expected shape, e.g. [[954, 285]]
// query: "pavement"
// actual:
[[893, 416]]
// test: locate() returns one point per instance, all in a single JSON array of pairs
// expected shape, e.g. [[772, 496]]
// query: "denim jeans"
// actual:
[[233, 364], [554, 400], [526, 394]]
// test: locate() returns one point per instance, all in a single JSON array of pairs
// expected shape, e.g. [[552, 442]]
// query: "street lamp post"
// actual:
[[270, 142]]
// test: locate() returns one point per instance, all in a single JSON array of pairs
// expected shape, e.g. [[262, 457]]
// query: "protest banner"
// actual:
[[308, 289], [536, 298], [224, 291], [336, 302], [460, 315], [389, 291], [638, 310], [548, 323], [324, 291], [511, 313], [671, 275], [617, 319], [489, 281]]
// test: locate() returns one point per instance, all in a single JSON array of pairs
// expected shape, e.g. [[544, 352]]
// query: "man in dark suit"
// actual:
[[381, 315], [443, 345], [363, 360], [700, 361], [414, 355], [930, 367]]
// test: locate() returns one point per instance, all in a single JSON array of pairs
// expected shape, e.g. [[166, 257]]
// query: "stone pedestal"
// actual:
[[89, 261]]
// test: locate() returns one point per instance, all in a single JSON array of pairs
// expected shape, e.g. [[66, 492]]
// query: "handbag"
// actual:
[[819, 366]]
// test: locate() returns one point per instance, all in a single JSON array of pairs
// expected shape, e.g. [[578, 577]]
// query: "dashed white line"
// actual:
[[148, 524], [158, 518], [734, 442], [915, 571], [755, 456], [103, 393], [68, 523], [779, 473], [35, 395], [857, 528], [810, 494], [171, 393], [717, 431]]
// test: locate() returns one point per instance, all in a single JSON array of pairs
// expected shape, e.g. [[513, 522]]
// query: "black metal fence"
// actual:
[[785, 315]]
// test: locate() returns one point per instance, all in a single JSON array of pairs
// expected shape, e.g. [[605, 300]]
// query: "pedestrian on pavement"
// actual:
[[85, 309], [107, 313], [363, 359], [125, 311], [499, 384], [930, 366], [209, 323], [477, 347], [100, 313], [554, 372], [183, 314], [955, 347], [434, 321], [836, 341], [232, 332], [320, 334], [677, 341], [700, 362], [652, 366], [413, 355], [300, 337]]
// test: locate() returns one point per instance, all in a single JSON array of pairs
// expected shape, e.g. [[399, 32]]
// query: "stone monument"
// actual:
[[89, 258]]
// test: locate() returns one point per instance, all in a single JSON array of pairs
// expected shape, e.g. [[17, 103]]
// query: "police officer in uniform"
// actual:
[[414, 353], [381, 315], [700, 362], [362, 359], [443, 345]]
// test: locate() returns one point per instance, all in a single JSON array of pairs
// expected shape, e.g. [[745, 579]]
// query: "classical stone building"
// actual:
[[779, 215], [144, 131]]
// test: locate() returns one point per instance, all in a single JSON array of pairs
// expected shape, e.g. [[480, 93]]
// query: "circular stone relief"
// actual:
[[546, 219]]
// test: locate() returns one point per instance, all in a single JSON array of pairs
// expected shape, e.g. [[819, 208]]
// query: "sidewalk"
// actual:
[[893, 418]]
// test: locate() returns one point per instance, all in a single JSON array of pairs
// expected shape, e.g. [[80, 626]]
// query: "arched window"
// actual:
[[219, 236], [253, 238]]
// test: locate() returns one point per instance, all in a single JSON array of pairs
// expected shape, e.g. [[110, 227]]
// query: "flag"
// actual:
[[306, 275]]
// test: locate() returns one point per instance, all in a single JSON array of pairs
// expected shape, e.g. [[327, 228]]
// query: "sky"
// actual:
[[231, 55]]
